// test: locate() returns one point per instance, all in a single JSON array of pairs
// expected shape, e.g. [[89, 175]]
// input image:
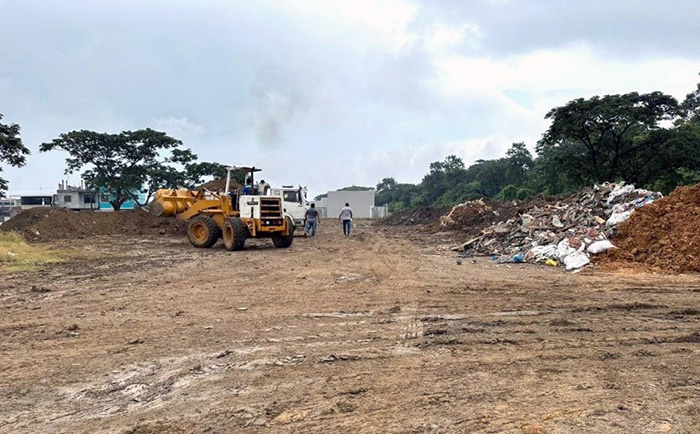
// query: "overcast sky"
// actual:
[[328, 93]]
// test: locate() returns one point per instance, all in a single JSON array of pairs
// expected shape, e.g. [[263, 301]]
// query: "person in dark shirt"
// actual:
[[313, 218], [248, 187]]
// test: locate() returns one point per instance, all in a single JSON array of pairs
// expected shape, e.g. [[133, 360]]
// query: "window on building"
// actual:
[[104, 198], [35, 200], [67, 198], [89, 198]]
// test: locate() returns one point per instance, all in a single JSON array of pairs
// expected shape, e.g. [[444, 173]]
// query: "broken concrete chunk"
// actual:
[[556, 222]]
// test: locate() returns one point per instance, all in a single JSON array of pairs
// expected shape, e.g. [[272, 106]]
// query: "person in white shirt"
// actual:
[[346, 217]]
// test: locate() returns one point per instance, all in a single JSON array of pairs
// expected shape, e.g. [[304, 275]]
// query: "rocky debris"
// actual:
[[413, 217], [478, 214], [469, 217], [52, 223], [558, 231], [663, 235]]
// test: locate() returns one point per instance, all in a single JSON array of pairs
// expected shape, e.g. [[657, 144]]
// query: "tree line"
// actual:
[[651, 140], [130, 165]]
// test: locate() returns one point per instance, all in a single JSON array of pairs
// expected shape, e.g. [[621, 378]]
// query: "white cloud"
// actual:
[[180, 128], [328, 93]]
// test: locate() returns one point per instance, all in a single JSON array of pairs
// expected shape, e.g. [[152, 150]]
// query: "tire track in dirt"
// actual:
[[372, 333]]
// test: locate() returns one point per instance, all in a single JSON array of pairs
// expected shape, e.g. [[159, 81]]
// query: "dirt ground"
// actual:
[[382, 332]]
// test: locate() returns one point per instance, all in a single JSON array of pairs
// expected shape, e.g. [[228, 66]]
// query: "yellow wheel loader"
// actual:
[[232, 215]]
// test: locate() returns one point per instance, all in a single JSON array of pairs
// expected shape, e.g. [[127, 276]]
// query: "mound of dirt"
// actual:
[[220, 185], [51, 223], [663, 235]]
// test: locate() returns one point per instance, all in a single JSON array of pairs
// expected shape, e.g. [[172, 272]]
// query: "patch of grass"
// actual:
[[16, 255]]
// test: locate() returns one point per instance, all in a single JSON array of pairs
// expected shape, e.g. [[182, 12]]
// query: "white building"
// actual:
[[75, 197], [361, 202], [9, 207]]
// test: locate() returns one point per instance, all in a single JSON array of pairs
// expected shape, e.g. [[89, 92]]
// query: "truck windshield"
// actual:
[[290, 196]]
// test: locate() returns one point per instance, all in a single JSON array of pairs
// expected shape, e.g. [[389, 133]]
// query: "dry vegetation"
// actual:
[[17, 255]]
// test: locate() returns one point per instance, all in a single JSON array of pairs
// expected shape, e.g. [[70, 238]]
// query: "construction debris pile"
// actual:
[[473, 216], [664, 235], [412, 217], [564, 231]]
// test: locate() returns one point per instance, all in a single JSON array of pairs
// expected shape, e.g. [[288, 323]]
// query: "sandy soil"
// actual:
[[382, 332]]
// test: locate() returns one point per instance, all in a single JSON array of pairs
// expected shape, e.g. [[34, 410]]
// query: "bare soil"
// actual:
[[381, 332], [664, 235], [45, 224]]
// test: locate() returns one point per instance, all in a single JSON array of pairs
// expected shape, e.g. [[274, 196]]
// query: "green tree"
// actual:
[[396, 195], [195, 173], [120, 164], [386, 184], [12, 151], [680, 162], [518, 163], [442, 178], [690, 108], [607, 138], [356, 188], [163, 174]]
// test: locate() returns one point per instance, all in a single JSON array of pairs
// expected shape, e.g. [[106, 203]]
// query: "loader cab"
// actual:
[[248, 173]]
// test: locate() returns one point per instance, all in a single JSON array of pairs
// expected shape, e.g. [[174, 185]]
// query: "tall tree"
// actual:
[[519, 162], [441, 179], [690, 108], [195, 173], [607, 138], [166, 175], [396, 195], [12, 151], [119, 164]]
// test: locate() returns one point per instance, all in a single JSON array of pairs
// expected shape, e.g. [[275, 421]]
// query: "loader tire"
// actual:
[[283, 241], [202, 231], [234, 234]]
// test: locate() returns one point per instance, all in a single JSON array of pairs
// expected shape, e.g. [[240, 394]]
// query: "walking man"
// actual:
[[346, 217], [312, 218]]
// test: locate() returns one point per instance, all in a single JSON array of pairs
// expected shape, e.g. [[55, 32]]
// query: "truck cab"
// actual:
[[294, 202]]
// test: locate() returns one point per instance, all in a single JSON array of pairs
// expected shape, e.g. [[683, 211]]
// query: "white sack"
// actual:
[[600, 247]]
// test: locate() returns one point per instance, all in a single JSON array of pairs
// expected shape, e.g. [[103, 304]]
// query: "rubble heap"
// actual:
[[413, 217], [561, 231], [664, 235], [473, 216]]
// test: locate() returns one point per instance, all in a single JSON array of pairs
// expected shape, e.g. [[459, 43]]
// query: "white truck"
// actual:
[[294, 202]]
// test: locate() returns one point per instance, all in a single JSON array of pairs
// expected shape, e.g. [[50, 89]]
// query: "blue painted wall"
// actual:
[[129, 204]]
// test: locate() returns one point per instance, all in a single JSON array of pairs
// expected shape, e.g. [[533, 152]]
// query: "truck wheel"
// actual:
[[284, 241], [202, 231], [235, 234]]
